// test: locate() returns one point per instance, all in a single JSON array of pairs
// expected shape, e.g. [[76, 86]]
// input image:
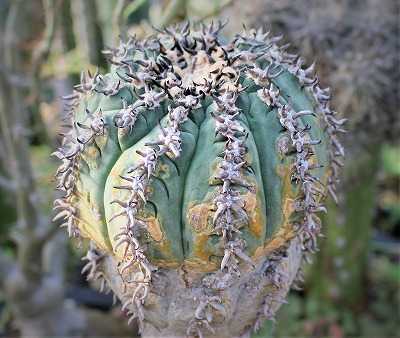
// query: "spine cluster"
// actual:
[[230, 213], [92, 268]]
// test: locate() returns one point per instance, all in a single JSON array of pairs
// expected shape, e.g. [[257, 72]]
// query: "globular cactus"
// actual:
[[197, 168]]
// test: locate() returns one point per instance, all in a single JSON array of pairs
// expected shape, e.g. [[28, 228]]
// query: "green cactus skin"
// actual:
[[197, 170]]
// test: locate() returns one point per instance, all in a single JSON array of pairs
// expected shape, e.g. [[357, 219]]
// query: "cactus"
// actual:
[[197, 169]]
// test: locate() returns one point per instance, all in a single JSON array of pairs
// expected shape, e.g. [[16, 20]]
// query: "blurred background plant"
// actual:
[[351, 290]]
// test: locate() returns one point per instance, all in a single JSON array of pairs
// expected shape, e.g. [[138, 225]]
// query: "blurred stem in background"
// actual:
[[86, 27], [31, 282], [51, 8], [338, 276]]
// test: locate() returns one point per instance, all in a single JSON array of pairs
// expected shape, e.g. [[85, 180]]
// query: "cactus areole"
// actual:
[[197, 169]]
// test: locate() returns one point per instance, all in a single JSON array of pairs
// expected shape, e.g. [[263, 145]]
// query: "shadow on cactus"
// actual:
[[197, 168]]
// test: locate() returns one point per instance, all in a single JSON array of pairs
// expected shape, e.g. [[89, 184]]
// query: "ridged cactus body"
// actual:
[[197, 169]]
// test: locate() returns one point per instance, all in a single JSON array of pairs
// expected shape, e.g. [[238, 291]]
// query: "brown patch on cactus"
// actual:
[[91, 152], [252, 207], [285, 233], [201, 258], [154, 229], [290, 193], [200, 247], [197, 265], [198, 216]]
